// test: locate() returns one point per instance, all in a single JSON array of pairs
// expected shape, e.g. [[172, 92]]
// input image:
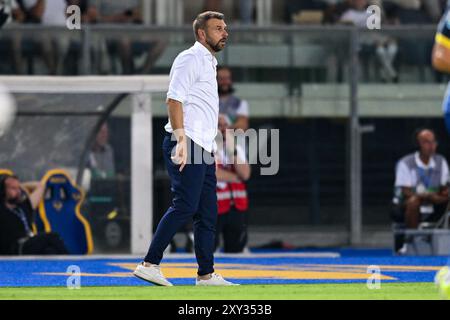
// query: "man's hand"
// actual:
[[175, 110], [434, 197], [180, 156], [230, 143]]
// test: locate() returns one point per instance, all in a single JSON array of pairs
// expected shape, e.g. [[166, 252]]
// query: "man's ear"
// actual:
[[201, 34]]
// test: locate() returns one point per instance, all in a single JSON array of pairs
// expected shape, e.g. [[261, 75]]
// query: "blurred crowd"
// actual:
[[335, 11], [342, 11], [55, 49], [52, 12], [137, 54]]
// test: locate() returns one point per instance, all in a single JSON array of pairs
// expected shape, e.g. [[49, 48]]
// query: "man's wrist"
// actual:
[[180, 135]]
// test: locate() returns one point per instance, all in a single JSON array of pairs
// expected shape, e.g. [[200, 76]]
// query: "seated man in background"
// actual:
[[232, 172], [421, 183], [101, 156], [16, 220]]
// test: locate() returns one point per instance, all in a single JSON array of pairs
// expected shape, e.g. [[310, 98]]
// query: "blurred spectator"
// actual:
[[49, 13], [101, 156], [236, 109], [10, 11], [407, 11], [434, 9], [334, 11], [232, 172], [110, 11], [213, 5], [16, 220], [356, 13], [126, 11], [422, 183], [86, 15], [294, 8], [245, 9], [385, 48], [46, 12], [403, 11], [12, 46]]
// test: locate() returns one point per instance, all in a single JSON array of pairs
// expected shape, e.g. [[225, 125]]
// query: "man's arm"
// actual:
[[226, 176], [433, 197], [243, 171], [242, 116], [36, 192], [241, 166], [440, 197], [17, 14], [407, 192], [183, 74], [238, 157], [37, 10], [175, 110], [241, 123]]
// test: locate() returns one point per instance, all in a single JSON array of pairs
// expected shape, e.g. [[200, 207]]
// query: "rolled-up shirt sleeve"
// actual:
[[403, 176], [444, 176], [182, 76]]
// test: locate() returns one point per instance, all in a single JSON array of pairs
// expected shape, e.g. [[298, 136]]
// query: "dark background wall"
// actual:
[[311, 186]]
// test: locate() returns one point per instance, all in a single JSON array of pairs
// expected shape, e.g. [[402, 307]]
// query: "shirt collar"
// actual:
[[422, 165], [201, 48]]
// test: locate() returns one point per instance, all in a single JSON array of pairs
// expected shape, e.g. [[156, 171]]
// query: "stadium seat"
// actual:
[[6, 172], [59, 212]]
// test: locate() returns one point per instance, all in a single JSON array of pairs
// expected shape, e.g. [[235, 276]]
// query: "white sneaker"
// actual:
[[151, 274], [216, 280]]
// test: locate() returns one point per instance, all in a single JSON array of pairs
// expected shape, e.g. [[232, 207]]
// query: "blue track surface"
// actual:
[[350, 267]]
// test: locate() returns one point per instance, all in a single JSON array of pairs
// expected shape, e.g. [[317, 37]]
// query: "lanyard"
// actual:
[[21, 215], [424, 177]]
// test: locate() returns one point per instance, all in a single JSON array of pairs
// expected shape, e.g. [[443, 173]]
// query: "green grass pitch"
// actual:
[[388, 291]]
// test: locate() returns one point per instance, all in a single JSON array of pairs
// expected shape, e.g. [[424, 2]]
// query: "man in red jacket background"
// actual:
[[232, 171]]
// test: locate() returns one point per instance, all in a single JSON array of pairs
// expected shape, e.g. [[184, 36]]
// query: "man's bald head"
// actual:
[[426, 139]]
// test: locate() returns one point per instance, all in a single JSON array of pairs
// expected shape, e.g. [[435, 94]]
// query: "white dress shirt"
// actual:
[[193, 83], [408, 178]]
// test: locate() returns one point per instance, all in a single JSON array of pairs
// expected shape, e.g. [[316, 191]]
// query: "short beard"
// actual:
[[229, 91], [216, 46]]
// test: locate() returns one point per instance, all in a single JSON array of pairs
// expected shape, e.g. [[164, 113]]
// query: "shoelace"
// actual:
[[156, 267], [218, 276]]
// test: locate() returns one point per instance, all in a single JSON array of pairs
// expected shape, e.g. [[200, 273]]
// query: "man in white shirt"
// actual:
[[421, 183], [193, 107]]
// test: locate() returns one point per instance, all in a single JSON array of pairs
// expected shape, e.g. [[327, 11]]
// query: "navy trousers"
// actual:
[[194, 198]]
